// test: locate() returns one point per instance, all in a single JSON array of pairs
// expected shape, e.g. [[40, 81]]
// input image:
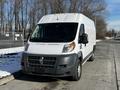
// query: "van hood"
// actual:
[[45, 48]]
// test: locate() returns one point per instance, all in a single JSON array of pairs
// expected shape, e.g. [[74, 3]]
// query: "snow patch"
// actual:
[[11, 50], [108, 38], [98, 40], [10, 64]]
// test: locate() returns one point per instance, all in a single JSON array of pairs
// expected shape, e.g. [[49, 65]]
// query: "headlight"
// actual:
[[26, 47], [69, 47]]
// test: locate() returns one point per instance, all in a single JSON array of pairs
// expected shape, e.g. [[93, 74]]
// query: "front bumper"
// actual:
[[48, 65]]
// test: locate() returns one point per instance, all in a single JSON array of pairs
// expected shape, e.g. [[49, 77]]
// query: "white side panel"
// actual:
[[90, 30]]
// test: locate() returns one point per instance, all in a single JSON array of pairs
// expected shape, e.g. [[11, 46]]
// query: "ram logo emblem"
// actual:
[[41, 60]]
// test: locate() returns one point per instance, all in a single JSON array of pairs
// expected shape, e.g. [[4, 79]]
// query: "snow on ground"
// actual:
[[98, 40], [11, 50], [10, 63], [108, 37]]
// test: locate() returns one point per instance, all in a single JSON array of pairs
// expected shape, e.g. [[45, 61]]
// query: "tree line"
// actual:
[[16, 15]]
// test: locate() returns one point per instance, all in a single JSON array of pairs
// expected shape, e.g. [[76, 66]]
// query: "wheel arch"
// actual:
[[80, 57], [94, 48]]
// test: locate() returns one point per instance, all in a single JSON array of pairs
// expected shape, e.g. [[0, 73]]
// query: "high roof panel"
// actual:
[[67, 17]]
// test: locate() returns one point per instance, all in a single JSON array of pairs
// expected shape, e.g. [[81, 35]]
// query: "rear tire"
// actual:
[[92, 58], [77, 71]]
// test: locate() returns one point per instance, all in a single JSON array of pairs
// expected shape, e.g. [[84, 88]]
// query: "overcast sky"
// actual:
[[113, 20]]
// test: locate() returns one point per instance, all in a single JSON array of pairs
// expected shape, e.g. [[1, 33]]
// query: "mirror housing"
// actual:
[[83, 38]]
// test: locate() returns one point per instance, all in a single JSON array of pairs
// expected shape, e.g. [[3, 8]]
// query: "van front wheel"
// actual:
[[77, 71]]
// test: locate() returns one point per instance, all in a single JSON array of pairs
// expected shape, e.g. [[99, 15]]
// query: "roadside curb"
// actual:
[[9, 78], [117, 64]]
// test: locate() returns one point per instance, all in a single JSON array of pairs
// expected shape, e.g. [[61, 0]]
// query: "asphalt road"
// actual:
[[101, 74]]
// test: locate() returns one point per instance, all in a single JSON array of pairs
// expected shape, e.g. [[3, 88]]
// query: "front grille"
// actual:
[[41, 61], [41, 64]]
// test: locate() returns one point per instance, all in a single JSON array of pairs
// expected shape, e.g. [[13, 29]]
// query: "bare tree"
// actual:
[[9, 17], [57, 6], [19, 13], [16, 14], [2, 2], [44, 7], [101, 27], [74, 4]]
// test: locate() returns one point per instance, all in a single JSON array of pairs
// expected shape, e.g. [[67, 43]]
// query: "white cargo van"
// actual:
[[60, 45]]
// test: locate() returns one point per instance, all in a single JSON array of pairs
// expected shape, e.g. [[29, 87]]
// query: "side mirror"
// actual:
[[83, 38]]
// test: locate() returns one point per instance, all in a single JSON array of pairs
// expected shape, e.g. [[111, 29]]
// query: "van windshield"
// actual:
[[54, 32]]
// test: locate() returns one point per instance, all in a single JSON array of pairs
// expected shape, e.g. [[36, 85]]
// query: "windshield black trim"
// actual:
[[61, 29]]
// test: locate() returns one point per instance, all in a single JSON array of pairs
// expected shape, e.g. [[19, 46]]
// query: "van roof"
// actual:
[[65, 17]]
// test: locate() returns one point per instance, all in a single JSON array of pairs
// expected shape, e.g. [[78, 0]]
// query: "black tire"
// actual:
[[77, 71], [92, 58]]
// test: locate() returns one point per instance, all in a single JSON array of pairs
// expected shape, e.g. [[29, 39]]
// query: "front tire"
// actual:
[[92, 58], [77, 71]]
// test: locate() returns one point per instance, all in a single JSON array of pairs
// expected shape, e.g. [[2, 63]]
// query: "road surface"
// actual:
[[101, 74]]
